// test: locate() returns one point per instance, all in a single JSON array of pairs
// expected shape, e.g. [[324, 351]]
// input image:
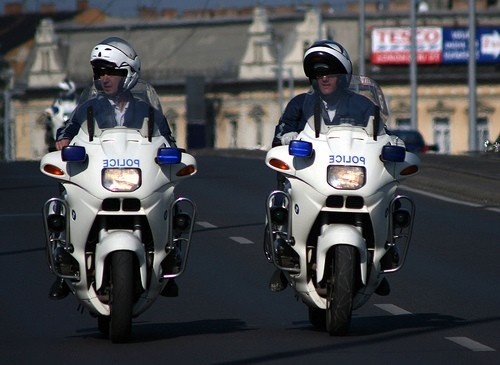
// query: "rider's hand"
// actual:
[[287, 137], [62, 143]]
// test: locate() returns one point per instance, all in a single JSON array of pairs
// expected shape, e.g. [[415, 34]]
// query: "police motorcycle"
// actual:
[[59, 112], [338, 225], [118, 234]]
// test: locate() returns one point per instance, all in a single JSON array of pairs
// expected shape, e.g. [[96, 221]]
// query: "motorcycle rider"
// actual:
[[328, 66], [59, 111], [116, 67]]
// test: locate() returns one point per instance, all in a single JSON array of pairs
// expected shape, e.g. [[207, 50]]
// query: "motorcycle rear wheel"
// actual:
[[340, 291], [122, 296]]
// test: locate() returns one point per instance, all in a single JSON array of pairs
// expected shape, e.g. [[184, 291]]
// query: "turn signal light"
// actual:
[[53, 170], [278, 164], [187, 170], [410, 170]]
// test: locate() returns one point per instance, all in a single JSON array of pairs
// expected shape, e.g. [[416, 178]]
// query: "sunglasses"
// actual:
[[110, 71], [319, 77]]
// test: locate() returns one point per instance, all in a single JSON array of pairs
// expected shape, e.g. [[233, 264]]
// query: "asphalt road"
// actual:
[[473, 178], [443, 306]]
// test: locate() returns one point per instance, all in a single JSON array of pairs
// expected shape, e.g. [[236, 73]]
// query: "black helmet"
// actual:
[[326, 58]]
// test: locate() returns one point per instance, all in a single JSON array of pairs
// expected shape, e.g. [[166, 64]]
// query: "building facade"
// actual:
[[224, 80]]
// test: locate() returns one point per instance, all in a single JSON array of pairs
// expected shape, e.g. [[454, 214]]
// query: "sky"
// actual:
[[128, 7]]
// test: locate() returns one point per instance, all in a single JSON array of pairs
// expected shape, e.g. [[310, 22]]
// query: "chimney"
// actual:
[[82, 5], [13, 9], [48, 8], [169, 13], [147, 12]]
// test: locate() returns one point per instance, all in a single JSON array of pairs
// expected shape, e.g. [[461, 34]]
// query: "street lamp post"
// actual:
[[413, 65], [7, 146], [362, 37], [472, 77]]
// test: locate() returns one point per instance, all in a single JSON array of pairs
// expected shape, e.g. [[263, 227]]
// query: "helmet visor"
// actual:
[[101, 68]]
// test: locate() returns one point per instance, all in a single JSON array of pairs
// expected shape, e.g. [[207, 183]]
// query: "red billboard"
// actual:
[[392, 45]]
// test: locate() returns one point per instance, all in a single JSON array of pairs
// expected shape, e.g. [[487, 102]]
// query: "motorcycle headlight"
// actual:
[[346, 177], [121, 179]]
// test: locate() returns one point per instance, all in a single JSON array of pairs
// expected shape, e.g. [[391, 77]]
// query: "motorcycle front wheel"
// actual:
[[121, 295], [340, 290]]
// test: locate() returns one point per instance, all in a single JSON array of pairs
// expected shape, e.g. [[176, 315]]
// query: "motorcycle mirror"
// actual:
[[168, 156], [391, 153], [74, 154], [300, 148]]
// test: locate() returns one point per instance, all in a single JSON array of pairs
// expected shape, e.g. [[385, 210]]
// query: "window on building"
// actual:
[[45, 61], [482, 132], [403, 123], [258, 54], [256, 113], [171, 116], [441, 133], [233, 138]]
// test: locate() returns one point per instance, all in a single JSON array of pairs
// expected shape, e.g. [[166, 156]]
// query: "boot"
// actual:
[[383, 289], [170, 289], [59, 289], [278, 281]]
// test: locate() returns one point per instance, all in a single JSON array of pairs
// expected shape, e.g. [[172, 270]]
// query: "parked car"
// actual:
[[414, 141]]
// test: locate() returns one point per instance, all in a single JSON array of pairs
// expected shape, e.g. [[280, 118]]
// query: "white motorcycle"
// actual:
[[118, 234], [55, 117], [337, 226]]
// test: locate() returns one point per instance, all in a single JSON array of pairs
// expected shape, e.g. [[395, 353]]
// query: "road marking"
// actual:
[[20, 215], [393, 309], [441, 197], [206, 224], [241, 240], [470, 344]]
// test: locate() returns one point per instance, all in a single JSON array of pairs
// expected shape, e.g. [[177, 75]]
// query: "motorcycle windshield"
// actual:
[[145, 114], [346, 101]]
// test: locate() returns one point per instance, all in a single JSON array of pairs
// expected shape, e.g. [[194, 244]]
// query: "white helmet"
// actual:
[[67, 87], [115, 53], [326, 57]]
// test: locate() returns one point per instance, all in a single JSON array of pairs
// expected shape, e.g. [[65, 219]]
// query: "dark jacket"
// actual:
[[352, 108], [105, 116]]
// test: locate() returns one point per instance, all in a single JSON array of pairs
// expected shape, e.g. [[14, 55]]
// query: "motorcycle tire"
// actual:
[[122, 295], [340, 291]]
